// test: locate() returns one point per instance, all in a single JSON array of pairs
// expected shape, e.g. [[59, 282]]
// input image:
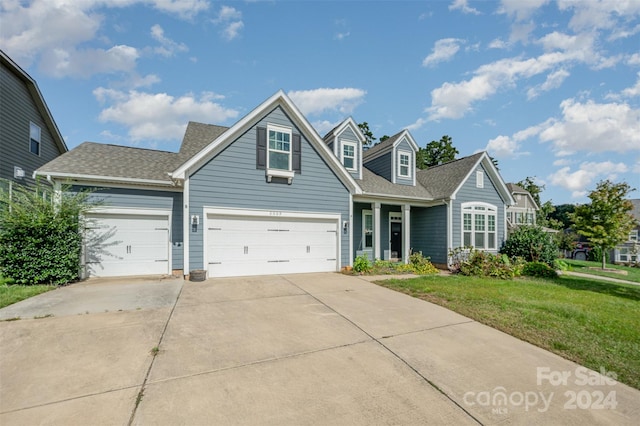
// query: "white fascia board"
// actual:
[[493, 174], [249, 120], [395, 200], [406, 135], [349, 122], [103, 179]]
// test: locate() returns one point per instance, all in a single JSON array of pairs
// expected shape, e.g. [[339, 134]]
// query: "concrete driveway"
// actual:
[[295, 349]]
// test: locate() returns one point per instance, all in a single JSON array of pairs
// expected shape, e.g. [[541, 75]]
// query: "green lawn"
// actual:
[[11, 293], [595, 268], [594, 323]]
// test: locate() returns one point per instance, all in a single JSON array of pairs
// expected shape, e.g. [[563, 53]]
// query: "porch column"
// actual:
[[406, 232], [376, 231]]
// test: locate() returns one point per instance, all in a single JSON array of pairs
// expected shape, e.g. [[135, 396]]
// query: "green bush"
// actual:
[[595, 254], [484, 264], [532, 244], [539, 269], [362, 264], [40, 240], [560, 265], [421, 265]]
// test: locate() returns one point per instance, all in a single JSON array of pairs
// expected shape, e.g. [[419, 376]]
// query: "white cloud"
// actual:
[[463, 6], [87, 62], [579, 180], [323, 126], [45, 31], [633, 91], [509, 147], [603, 14], [594, 127], [167, 46], [342, 36], [633, 59], [230, 19], [317, 101], [498, 44], [443, 50], [159, 116], [553, 81], [521, 10]]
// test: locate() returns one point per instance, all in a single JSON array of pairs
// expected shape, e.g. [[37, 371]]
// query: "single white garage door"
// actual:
[[126, 244], [239, 246]]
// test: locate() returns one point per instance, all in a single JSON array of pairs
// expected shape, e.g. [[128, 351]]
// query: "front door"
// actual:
[[396, 240]]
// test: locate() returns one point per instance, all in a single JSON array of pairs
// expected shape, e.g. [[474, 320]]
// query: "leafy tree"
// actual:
[[368, 134], [531, 243], [436, 152], [40, 234], [384, 138], [495, 162], [562, 214], [606, 221], [543, 217]]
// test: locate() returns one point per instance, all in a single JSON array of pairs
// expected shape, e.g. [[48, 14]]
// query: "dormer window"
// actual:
[[404, 161], [349, 155]]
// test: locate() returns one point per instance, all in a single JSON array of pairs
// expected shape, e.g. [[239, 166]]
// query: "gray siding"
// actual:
[[348, 135], [469, 193], [404, 146], [381, 166], [147, 199], [231, 180], [17, 109], [429, 232]]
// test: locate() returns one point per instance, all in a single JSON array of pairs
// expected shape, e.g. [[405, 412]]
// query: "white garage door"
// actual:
[[239, 246], [126, 244]]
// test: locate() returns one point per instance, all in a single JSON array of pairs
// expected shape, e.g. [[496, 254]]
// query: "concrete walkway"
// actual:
[[598, 277], [296, 349]]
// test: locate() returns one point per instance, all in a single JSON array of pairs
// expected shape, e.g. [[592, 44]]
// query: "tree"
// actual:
[[543, 217], [562, 214], [436, 152], [606, 221], [383, 138], [368, 134], [531, 243]]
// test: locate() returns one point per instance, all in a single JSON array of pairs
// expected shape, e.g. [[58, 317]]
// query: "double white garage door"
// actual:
[[126, 244], [244, 245]]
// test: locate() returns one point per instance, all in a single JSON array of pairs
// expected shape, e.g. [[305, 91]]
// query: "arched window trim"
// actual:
[[479, 225]]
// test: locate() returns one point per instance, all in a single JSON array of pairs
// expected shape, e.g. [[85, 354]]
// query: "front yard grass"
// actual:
[[595, 268], [11, 293], [594, 323]]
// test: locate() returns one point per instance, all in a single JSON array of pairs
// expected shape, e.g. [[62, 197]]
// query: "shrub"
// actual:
[[362, 264], [532, 244], [539, 269], [595, 254], [40, 240], [421, 265], [560, 265], [483, 264]]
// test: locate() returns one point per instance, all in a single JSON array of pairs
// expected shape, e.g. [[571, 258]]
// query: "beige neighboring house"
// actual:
[[629, 251], [523, 212]]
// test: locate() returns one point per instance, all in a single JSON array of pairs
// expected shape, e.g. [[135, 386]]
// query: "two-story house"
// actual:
[[29, 137], [629, 251], [523, 212], [269, 195]]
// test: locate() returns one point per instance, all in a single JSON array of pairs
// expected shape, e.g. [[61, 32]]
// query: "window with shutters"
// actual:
[[278, 152]]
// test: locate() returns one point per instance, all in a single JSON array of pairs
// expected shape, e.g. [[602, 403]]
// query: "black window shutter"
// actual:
[[296, 161], [261, 148]]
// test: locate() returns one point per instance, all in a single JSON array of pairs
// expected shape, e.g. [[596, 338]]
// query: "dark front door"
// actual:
[[396, 239]]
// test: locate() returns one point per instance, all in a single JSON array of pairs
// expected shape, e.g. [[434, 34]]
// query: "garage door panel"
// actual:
[[239, 246], [126, 244]]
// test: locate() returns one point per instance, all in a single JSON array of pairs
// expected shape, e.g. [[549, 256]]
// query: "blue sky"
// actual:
[[551, 89]]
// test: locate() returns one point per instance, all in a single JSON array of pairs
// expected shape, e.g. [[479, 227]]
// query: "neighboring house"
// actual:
[[629, 251], [29, 137], [523, 212], [270, 196]]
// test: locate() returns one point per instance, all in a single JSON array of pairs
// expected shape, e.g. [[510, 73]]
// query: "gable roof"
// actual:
[[517, 189], [341, 126], [389, 144], [38, 99], [446, 179], [279, 99], [376, 185], [117, 163]]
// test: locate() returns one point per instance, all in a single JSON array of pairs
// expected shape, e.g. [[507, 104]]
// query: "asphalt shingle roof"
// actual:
[[372, 183], [444, 179], [381, 146], [115, 161]]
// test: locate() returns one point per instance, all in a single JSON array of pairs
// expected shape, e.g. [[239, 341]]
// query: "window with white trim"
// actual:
[[404, 164], [626, 255], [479, 226], [279, 148], [530, 219], [367, 229], [479, 179], [34, 138], [349, 155], [633, 235]]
